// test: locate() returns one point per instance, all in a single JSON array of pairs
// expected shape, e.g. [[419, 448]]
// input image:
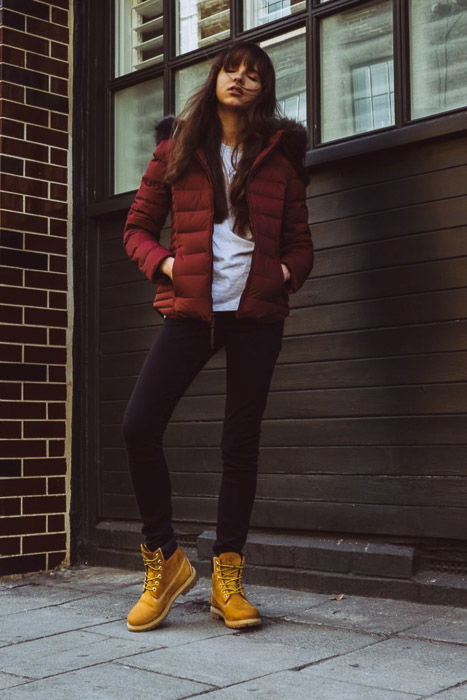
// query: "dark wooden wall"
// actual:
[[365, 429]]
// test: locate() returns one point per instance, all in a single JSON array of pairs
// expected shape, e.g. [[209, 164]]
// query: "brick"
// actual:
[[10, 429], [23, 487], [23, 448], [44, 504], [25, 222], [11, 165], [59, 17], [22, 258], [10, 55], [23, 372], [22, 564], [51, 66], [10, 276], [21, 295], [44, 543], [59, 3], [23, 185], [10, 314], [10, 391], [10, 506], [56, 410], [12, 201], [46, 392], [47, 354], [59, 85], [58, 300], [11, 128], [10, 353], [47, 29], [12, 19], [40, 428], [58, 156], [55, 559], [55, 103], [24, 149], [22, 409], [56, 485], [28, 7], [59, 121], [58, 228], [57, 336], [59, 51], [25, 334], [10, 545], [44, 466], [25, 113], [48, 136], [47, 244], [59, 192], [56, 448], [25, 524], [24, 41], [11, 239], [10, 467], [45, 280], [57, 263], [28, 78], [55, 523], [8, 91], [46, 207], [46, 317], [45, 172]]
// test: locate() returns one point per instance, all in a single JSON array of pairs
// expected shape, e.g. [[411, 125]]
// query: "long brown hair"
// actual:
[[199, 125]]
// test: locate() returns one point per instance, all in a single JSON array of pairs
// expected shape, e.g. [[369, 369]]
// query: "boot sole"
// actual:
[[183, 590], [235, 624]]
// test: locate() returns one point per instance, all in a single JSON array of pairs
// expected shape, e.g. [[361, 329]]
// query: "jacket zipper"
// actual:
[[248, 279]]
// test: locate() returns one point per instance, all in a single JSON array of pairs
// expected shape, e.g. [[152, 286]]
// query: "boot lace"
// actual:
[[230, 578], [153, 566]]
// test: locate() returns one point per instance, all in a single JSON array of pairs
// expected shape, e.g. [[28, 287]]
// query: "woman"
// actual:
[[232, 174]]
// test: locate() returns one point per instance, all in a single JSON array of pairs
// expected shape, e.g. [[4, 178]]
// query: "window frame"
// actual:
[[405, 130]]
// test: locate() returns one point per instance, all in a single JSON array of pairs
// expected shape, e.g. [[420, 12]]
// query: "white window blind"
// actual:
[[139, 34]]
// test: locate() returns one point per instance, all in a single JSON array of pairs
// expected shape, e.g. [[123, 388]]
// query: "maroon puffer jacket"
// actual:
[[278, 217]]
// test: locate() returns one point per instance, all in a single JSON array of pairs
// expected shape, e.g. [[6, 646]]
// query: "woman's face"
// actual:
[[239, 87]]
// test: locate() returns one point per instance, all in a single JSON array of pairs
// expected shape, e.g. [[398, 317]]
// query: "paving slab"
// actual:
[[65, 652], [300, 686], [30, 596], [8, 679], [222, 660], [108, 681], [449, 625], [406, 665], [380, 615], [457, 693]]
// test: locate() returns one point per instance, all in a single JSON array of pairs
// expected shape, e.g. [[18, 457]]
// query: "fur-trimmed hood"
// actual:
[[293, 140]]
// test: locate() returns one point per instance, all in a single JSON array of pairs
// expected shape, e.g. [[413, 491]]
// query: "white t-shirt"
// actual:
[[231, 252]]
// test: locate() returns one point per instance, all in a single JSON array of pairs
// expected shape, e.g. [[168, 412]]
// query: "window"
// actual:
[[438, 50], [344, 68], [138, 34], [357, 83], [200, 23], [256, 12]]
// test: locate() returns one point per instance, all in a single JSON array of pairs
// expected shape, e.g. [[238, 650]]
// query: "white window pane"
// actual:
[[438, 48], [188, 80], [288, 55], [257, 12], [356, 69], [201, 22], [138, 34], [137, 108]]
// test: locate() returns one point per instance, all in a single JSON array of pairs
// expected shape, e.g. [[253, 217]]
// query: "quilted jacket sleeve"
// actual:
[[147, 216], [297, 246]]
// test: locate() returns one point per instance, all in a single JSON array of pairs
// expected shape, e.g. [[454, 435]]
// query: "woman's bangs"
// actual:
[[243, 55]]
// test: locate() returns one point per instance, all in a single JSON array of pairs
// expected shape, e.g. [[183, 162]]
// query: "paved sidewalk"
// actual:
[[63, 635]]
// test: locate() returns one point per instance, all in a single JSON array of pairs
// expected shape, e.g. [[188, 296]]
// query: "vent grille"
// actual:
[[447, 566]]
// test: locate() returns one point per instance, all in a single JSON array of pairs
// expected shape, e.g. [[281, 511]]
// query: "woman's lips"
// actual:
[[236, 91]]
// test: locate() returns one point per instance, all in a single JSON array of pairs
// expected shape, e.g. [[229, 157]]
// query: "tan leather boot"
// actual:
[[228, 598], [164, 581]]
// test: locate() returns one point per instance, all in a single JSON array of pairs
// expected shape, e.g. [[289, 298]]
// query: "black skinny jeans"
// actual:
[[182, 348]]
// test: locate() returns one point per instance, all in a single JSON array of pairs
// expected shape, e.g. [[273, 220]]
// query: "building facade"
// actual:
[[363, 470]]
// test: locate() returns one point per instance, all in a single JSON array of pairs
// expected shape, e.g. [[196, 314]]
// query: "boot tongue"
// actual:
[[230, 558]]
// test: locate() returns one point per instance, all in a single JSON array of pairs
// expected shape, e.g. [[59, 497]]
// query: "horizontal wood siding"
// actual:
[[365, 428]]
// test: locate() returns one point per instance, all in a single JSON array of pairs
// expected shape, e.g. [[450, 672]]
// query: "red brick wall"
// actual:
[[34, 285]]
